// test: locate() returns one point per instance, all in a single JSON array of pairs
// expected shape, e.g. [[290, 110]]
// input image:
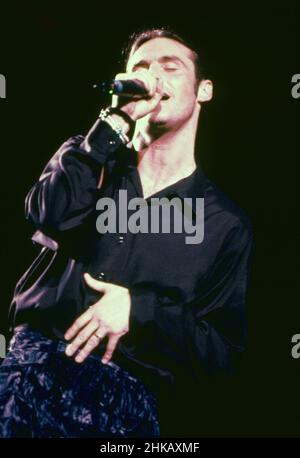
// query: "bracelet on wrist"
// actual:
[[105, 115], [125, 116]]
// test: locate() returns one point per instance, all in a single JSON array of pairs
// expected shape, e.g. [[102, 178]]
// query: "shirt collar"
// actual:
[[190, 186]]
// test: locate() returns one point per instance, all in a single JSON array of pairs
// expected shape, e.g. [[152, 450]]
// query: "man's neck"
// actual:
[[166, 158]]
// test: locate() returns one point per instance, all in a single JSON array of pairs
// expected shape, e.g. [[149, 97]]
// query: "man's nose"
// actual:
[[155, 68]]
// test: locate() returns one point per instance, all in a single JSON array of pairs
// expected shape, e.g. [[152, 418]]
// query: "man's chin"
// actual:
[[158, 125]]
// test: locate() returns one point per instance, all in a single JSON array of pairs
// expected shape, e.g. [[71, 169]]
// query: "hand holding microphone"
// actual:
[[136, 94], [139, 105]]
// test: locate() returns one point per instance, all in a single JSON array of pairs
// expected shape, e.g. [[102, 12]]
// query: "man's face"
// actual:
[[172, 62]]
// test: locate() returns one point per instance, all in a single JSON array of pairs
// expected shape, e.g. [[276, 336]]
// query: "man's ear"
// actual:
[[205, 91]]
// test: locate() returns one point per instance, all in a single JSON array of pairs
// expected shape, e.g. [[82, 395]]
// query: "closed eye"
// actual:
[[170, 68]]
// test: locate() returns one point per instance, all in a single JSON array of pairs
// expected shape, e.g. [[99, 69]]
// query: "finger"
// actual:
[[92, 343], [78, 324], [150, 104], [97, 285], [123, 76], [150, 83], [160, 86], [111, 346], [154, 101], [82, 337], [114, 101]]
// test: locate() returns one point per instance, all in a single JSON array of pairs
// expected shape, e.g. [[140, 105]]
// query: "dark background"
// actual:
[[248, 144]]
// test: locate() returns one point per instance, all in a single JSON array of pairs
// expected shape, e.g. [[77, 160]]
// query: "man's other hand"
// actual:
[[107, 317]]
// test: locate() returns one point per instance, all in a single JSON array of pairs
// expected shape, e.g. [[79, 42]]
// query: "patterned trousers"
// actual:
[[44, 393]]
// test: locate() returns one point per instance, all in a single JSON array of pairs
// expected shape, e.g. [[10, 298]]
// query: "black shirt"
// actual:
[[188, 300]]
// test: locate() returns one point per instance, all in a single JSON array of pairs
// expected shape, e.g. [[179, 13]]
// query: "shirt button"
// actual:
[[101, 276], [121, 238], [112, 142]]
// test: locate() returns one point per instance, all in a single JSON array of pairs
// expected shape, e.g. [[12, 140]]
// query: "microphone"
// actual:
[[129, 88]]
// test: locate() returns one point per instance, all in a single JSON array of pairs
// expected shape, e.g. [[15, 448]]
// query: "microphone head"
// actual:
[[129, 88]]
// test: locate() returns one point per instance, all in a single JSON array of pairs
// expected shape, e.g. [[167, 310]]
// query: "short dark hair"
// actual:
[[137, 39]]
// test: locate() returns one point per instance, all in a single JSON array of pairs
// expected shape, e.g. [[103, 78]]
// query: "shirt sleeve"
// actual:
[[202, 336], [66, 192]]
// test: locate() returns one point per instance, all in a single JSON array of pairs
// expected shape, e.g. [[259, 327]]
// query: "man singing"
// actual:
[[108, 323]]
